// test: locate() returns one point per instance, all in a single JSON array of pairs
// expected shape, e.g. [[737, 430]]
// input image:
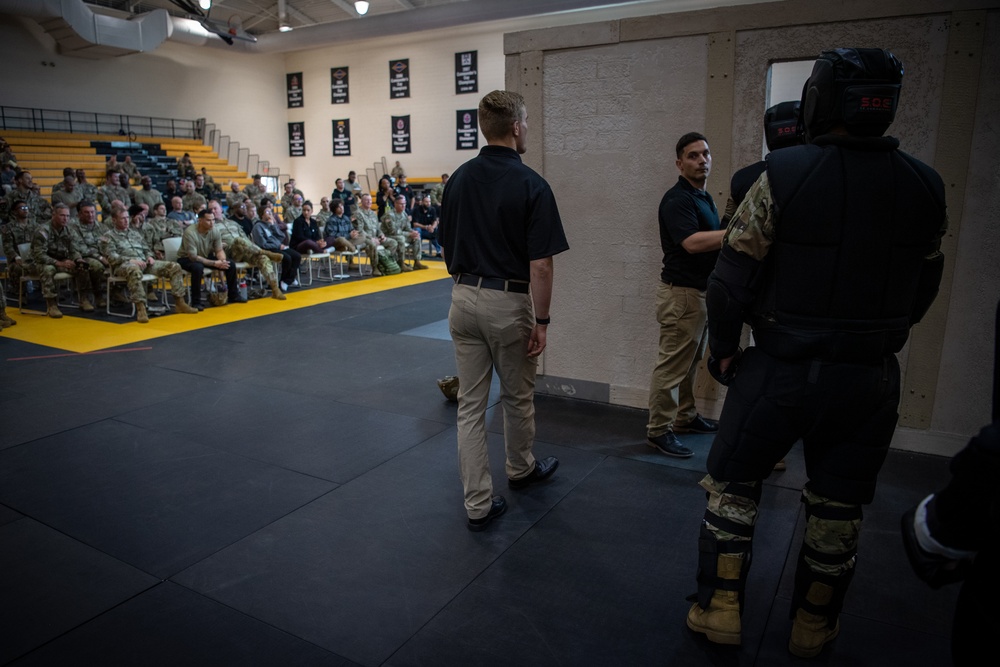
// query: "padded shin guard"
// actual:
[[710, 547]]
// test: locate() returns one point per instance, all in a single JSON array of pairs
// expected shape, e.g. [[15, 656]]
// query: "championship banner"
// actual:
[[296, 139], [341, 137], [400, 134], [466, 73], [399, 79], [339, 90], [467, 129], [293, 83]]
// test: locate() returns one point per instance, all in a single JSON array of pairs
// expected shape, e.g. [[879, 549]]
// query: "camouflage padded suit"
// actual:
[[396, 226], [125, 250]]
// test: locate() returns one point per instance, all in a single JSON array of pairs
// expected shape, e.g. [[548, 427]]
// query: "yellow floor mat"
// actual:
[[81, 335]]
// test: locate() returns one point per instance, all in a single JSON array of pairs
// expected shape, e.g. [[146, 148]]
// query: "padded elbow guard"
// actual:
[[731, 289]]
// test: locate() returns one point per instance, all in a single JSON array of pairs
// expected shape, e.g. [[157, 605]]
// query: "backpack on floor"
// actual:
[[387, 264]]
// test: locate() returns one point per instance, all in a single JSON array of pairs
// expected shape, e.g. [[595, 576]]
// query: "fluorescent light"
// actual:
[[205, 4], [361, 6], [284, 27]]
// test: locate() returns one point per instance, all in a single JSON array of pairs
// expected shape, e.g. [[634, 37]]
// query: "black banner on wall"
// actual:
[[400, 134], [341, 137], [399, 79], [297, 139], [293, 83], [466, 73], [467, 129], [339, 90]]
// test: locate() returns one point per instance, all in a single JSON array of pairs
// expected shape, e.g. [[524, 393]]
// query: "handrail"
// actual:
[[86, 122]]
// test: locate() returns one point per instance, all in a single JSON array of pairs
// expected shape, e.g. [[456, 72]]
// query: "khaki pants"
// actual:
[[682, 315], [490, 330]]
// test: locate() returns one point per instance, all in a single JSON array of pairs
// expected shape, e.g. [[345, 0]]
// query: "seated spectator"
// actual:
[[86, 235], [438, 192], [288, 196], [201, 249], [238, 214], [68, 195], [234, 195], [342, 193], [323, 214], [385, 196], [306, 234], [87, 189], [425, 220], [210, 183], [172, 190], [293, 210], [24, 191], [52, 252], [67, 171], [256, 190], [397, 171], [295, 189], [129, 170], [130, 257], [340, 233], [148, 195], [370, 235], [203, 188], [7, 177], [178, 213], [111, 164], [18, 231], [185, 167], [354, 186], [238, 247], [396, 225], [111, 192], [268, 236], [159, 227], [7, 154], [403, 188], [192, 198]]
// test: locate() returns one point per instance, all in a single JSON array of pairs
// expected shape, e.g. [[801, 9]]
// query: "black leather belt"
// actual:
[[492, 283]]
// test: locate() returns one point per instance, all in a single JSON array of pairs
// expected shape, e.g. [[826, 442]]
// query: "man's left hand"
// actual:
[[536, 343]]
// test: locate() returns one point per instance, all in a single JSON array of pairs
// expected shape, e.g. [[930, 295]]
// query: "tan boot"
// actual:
[[140, 313], [375, 271], [4, 320], [274, 256], [810, 632], [276, 292], [181, 306], [53, 309], [721, 622], [85, 305], [418, 265], [404, 267]]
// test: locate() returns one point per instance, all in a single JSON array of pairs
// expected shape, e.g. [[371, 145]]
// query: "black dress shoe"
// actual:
[[239, 298], [670, 445], [497, 507], [543, 470], [697, 425]]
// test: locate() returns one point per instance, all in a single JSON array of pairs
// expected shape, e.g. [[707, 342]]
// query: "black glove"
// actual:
[[933, 569], [730, 374]]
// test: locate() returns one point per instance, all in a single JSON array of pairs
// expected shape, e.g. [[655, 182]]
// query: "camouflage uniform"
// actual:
[[291, 213], [108, 194], [36, 204], [234, 198], [129, 171], [120, 247], [255, 193], [87, 242], [150, 197], [240, 248], [437, 193], [193, 198], [397, 226], [157, 229], [366, 222], [15, 234], [71, 199], [286, 201], [50, 245], [87, 191]]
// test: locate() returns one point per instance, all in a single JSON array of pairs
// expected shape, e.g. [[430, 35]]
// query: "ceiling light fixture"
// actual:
[[284, 27], [205, 4], [361, 6]]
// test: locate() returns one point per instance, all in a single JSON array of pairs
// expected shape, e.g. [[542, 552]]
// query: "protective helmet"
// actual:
[[858, 88], [781, 125]]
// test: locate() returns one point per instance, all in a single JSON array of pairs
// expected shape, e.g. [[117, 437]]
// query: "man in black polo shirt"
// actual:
[[691, 240], [499, 249]]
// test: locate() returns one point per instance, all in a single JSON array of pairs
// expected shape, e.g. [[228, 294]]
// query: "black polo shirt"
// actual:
[[497, 215], [685, 210]]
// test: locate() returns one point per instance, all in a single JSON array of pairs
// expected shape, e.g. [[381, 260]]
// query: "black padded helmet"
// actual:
[[781, 125], [858, 88]]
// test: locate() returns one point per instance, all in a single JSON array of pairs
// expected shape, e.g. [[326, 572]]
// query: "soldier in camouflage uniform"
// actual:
[[256, 190], [396, 225], [68, 195], [86, 234], [18, 231], [61, 185], [240, 248], [234, 196], [160, 227], [370, 235], [438, 191], [111, 192], [148, 195], [288, 198], [87, 189], [293, 211], [193, 200], [130, 257], [129, 171], [24, 190], [52, 252]]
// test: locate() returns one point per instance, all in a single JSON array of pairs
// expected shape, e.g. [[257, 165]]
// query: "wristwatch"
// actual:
[[542, 320]]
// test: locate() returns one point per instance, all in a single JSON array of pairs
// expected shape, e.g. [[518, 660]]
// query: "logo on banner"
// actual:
[[466, 60], [339, 74], [399, 67]]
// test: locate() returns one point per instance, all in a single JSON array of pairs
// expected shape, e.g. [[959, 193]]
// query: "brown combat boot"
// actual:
[[404, 267], [811, 632], [140, 313], [276, 292], [274, 256], [181, 306], [4, 320], [720, 622], [101, 301], [418, 265], [53, 309], [85, 304]]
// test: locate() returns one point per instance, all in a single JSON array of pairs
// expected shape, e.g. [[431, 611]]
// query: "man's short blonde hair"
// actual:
[[498, 111]]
